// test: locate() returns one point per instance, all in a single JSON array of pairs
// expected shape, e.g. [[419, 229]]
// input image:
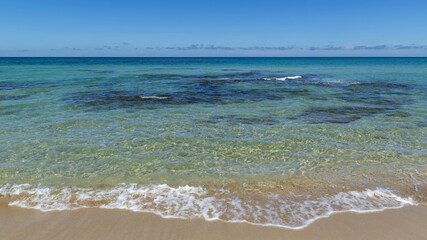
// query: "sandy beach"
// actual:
[[224, 120], [17, 223]]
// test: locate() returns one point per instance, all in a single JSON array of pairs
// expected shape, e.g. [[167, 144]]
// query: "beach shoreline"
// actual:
[[95, 223], [278, 142]]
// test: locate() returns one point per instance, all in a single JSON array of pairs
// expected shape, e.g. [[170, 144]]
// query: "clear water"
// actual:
[[277, 141]]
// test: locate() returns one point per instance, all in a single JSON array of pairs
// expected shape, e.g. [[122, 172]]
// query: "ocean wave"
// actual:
[[197, 202], [335, 83], [152, 97], [282, 78]]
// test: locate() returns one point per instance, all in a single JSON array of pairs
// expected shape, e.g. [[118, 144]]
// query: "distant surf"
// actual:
[[283, 78]]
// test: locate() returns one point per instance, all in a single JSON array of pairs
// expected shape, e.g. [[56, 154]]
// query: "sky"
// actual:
[[220, 28]]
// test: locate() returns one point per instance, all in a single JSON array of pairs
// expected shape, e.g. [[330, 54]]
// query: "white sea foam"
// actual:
[[197, 202], [283, 78], [152, 97]]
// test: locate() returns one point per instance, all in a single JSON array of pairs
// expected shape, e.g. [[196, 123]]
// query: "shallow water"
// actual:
[[276, 141]]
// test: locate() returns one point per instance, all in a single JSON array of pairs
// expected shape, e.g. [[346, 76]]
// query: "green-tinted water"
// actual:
[[247, 126]]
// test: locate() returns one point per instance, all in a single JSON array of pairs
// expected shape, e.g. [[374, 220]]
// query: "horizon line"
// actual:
[[213, 57]]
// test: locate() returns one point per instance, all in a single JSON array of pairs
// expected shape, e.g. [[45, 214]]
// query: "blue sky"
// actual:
[[213, 28]]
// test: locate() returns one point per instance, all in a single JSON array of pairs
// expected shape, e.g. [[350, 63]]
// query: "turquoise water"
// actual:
[[236, 139]]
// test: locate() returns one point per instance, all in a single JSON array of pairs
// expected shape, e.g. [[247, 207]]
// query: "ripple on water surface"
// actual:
[[267, 141]]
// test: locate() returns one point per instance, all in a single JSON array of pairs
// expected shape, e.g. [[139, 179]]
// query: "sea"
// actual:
[[267, 141]]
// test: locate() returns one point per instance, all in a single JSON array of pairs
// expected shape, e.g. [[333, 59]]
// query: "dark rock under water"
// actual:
[[359, 99]]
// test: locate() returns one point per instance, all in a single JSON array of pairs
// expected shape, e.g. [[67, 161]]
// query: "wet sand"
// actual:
[[17, 223]]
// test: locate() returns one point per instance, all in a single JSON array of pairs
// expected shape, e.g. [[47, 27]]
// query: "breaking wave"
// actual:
[[283, 78], [189, 202], [152, 97]]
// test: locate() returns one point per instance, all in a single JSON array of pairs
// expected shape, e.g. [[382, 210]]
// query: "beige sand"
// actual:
[[16, 223]]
